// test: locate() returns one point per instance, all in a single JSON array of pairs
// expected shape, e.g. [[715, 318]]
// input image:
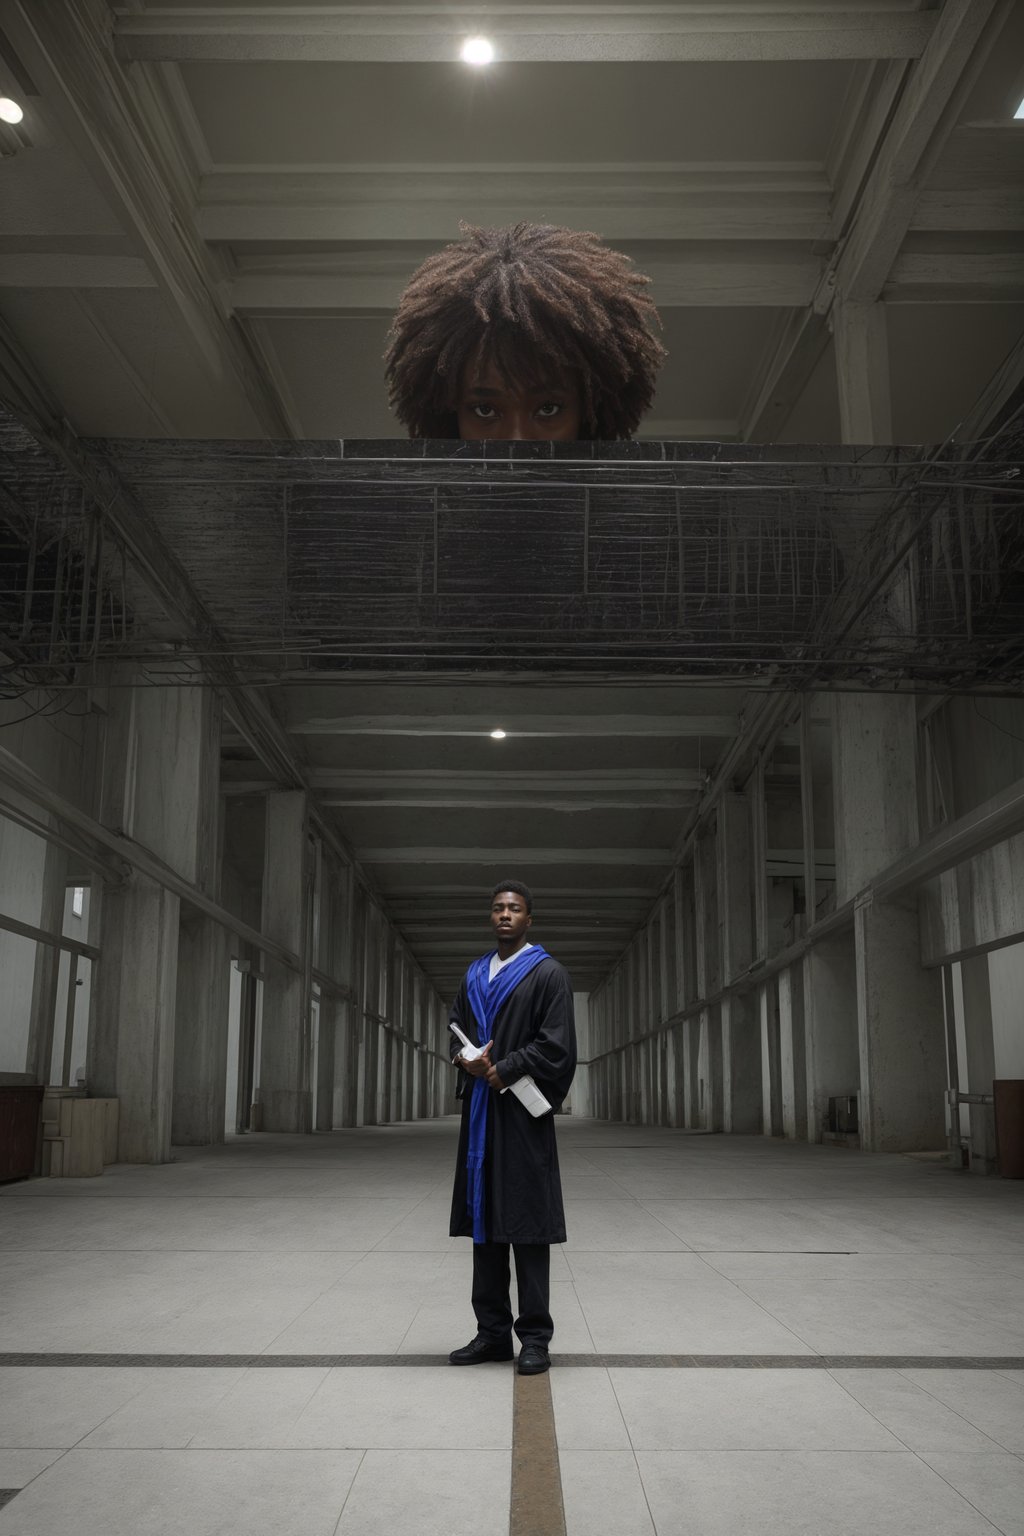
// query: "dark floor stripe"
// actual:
[[536, 1504], [636, 1362]]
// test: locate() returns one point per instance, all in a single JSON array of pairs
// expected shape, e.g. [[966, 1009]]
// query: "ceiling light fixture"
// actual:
[[477, 50], [10, 112], [498, 734]]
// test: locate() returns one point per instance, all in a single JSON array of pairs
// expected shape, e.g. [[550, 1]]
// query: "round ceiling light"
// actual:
[[477, 50], [10, 112], [498, 734]]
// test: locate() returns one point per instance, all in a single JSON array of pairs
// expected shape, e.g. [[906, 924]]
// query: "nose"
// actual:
[[523, 428]]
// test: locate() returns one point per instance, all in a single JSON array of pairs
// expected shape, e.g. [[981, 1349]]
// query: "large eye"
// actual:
[[552, 408], [484, 412]]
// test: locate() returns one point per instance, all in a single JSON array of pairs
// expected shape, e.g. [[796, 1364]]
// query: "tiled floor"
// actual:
[[679, 1245]]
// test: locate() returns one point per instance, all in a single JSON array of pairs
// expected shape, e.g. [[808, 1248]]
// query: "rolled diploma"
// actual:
[[524, 1088]]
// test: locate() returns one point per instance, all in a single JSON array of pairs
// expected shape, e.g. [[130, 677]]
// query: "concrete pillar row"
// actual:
[[741, 1053], [330, 949], [131, 1039], [346, 1032], [285, 1098], [900, 1026], [709, 1028], [157, 759], [42, 1019], [200, 1032], [901, 1033], [792, 1063], [832, 1056]]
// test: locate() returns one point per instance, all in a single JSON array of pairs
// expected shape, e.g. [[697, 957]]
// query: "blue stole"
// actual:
[[487, 998]]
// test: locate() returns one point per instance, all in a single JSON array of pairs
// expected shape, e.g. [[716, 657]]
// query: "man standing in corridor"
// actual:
[[515, 1003]]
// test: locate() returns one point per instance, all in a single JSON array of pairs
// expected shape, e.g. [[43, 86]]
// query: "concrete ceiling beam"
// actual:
[[567, 792], [423, 203], [879, 175], [925, 115], [531, 800], [134, 158], [55, 269], [426, 779], [515, 857], [771, 277], [524, 33], [518, 725], [437, 891], [957, 277]]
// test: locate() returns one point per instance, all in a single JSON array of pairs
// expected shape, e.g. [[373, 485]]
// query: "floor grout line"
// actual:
[[24, 1360], [348, 1493], [959, 1492]]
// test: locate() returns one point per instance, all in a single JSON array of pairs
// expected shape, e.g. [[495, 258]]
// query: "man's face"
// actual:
[[509, 917], [490, 407]]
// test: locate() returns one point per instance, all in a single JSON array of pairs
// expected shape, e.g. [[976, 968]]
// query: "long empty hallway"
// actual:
[[751, 1335]]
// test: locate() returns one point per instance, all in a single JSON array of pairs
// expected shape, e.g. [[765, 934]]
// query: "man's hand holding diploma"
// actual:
[[482, 1066]]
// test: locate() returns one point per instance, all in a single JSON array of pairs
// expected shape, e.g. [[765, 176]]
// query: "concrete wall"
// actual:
[[1006, 981], [859, 1011], [157, 1020]]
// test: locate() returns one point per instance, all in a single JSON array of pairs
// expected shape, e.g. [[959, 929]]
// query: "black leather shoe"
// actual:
[[480, 1349], [533, 1360]]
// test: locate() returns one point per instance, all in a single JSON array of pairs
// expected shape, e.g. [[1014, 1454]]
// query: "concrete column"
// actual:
[[792, 1065], [807, 813], [418, 992], [323, 1109], [981, 1063], [832, 1060], [330, 947], [899, 1009], [709, 1041], [131, 1039], [759, 858], [39, 1057], [201, 1032], [369, 1045], [741, 1054], [901, 1033], [449, 1103], [285, 1096], [411, 1100], [875, 777], [674, 1091], [385, 1076], [427, 1033], [627, 1031], [667, 1005], [346, 1024], [157, 763], [862, 372], [692, 1118], [408, 1026], [204, 968], [678, 937], [771, 1075]]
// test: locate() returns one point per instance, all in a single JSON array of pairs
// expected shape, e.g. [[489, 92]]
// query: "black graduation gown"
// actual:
[[534, 1033]]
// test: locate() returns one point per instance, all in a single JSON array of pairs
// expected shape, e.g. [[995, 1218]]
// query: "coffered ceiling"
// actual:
[[213, 208]]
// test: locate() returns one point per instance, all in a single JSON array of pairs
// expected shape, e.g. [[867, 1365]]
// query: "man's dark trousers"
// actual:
[[491, 1291]]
